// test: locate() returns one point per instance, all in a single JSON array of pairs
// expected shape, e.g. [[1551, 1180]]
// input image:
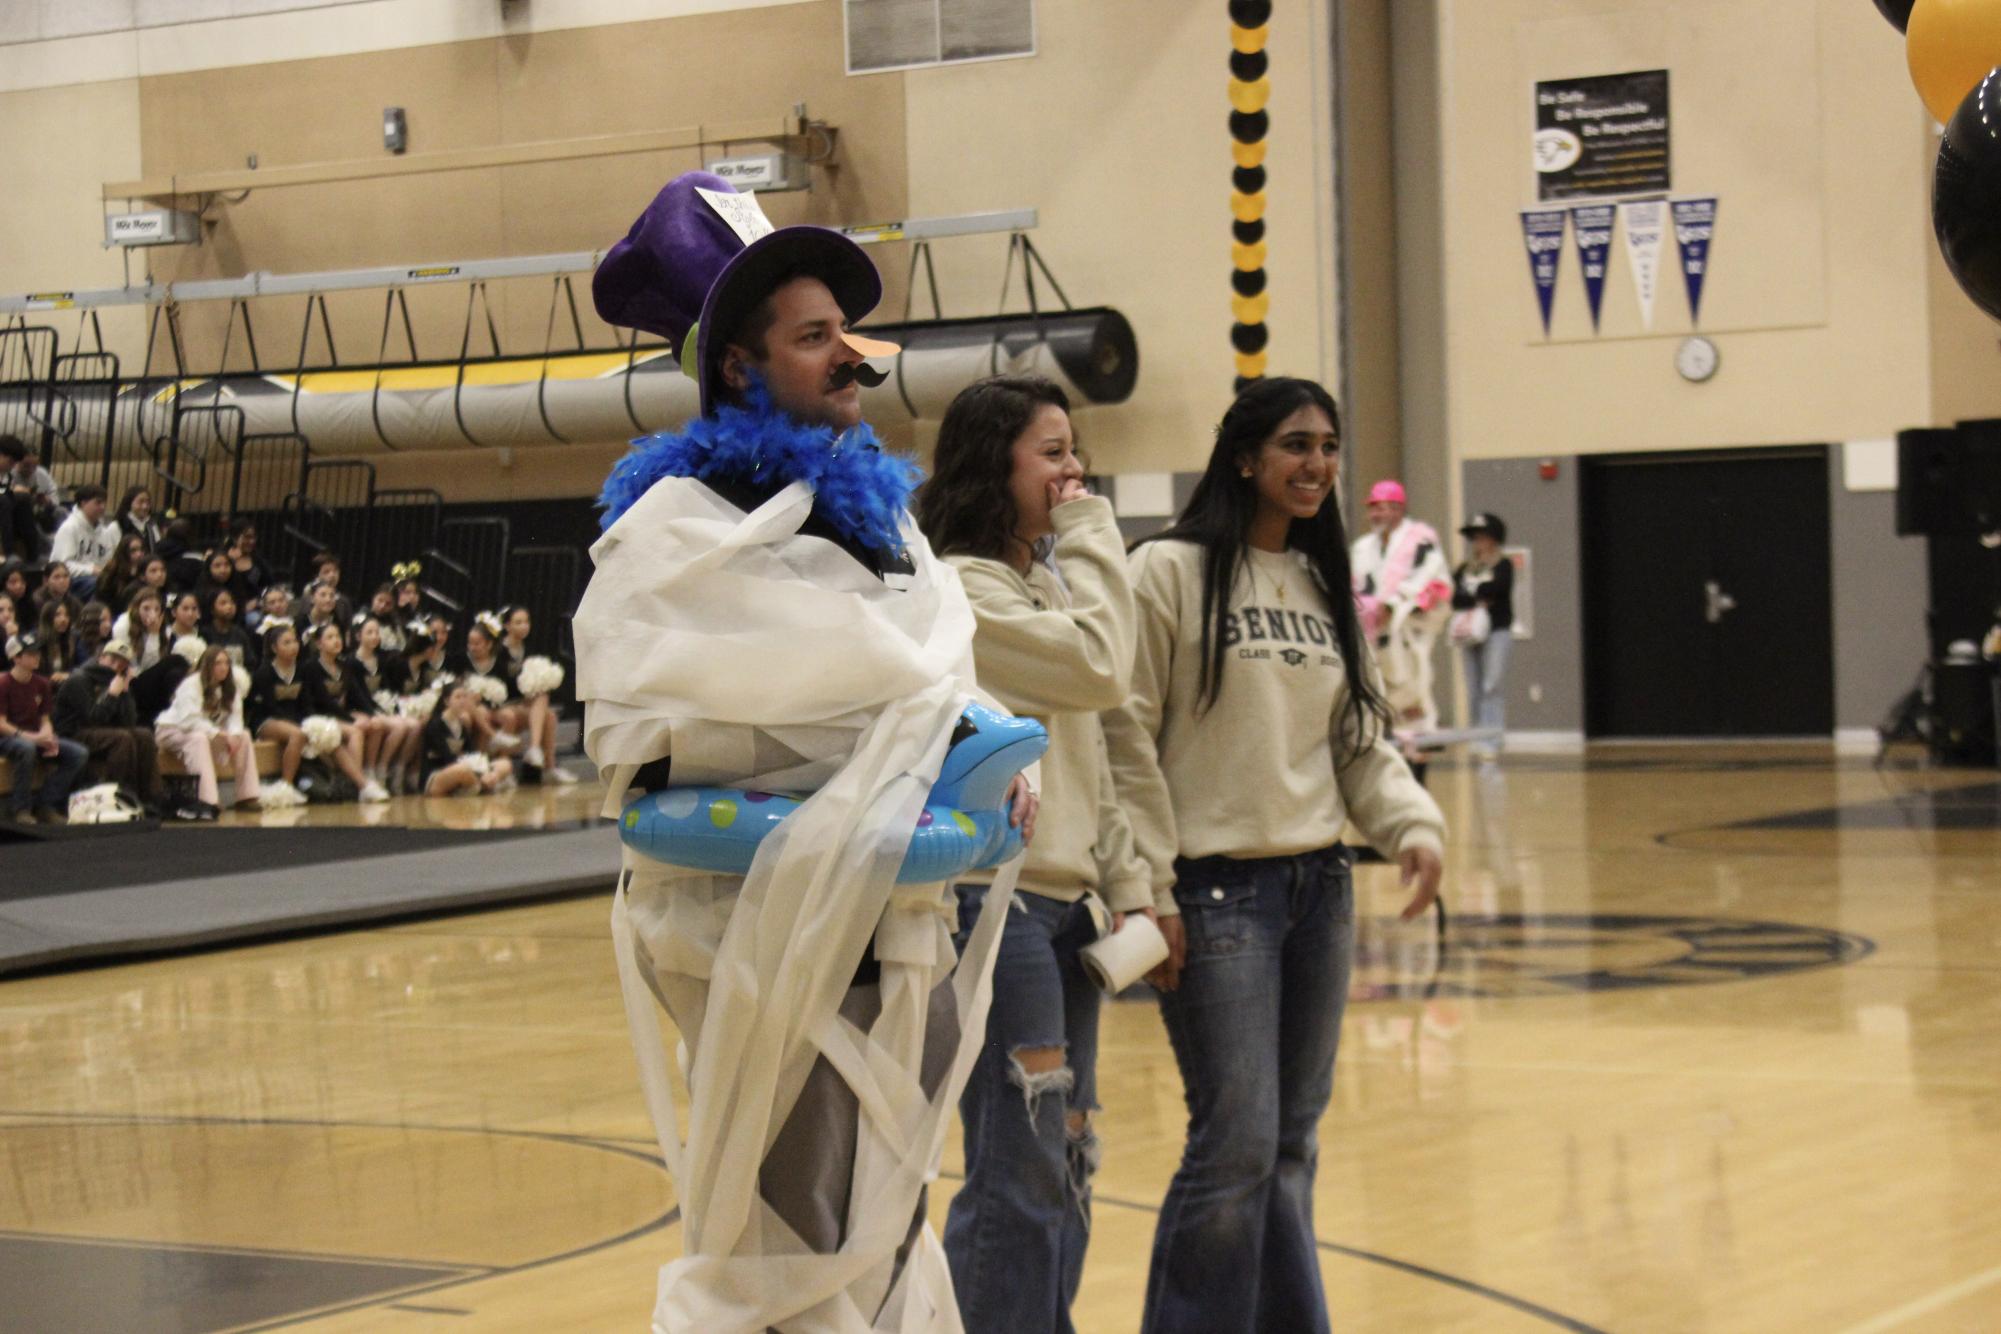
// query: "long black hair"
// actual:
[[1218, 517], [966, 507]]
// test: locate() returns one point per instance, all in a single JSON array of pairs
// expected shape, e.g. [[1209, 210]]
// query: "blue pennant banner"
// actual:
[[1593, 225], [1542, 232], [1694, 229]]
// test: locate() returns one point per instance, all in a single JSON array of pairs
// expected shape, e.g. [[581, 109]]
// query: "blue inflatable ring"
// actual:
[[963, 826]]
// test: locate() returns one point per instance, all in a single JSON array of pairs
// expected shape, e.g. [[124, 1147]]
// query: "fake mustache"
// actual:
[[860, 372]]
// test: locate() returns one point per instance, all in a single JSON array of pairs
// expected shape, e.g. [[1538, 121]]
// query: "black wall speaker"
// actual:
[[1949, 481]]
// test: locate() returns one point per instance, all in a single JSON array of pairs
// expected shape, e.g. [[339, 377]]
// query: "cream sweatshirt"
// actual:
[[1255, 775], [1059, 650]]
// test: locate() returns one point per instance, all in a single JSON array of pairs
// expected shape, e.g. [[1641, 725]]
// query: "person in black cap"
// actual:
[[26, 736], [764, 615], [1483, 607]]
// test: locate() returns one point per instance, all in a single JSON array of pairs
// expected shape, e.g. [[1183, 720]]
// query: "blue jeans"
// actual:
[[63, 769], [1486, 681], [1017, 1229], [1254, 1025]]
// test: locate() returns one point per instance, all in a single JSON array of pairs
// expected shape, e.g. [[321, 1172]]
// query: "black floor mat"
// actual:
[[30, 870]]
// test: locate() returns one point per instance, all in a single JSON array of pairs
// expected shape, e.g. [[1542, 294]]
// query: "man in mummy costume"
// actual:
[[763, 615]]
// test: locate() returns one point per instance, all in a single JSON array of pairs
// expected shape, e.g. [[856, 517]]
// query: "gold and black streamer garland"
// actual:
[[1250, 90]]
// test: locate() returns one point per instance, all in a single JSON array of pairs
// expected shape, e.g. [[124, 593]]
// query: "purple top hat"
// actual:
[[702, 256]]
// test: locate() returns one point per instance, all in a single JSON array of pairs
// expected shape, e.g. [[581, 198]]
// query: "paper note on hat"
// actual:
[[741, 212]]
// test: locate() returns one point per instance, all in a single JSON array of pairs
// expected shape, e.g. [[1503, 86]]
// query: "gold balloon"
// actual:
[[1250, 41], [1247, 208], [1250, 97], [1248, 257], [1950, 46], [1251, 309], [1248, 155], [1250, 365]]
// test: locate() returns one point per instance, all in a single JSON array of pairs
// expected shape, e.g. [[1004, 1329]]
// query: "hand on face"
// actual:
[[1046, 472]]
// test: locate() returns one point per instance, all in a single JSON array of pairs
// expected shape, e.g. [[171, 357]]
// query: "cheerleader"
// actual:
[[1053, 640], [383, 678], [225, 631], [1255, 730], [453, 759], [539, 718], [278, 707], [204, 725], [335, 692]]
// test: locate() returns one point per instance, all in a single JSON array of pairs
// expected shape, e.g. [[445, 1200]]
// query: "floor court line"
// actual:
[[1923, 1306]]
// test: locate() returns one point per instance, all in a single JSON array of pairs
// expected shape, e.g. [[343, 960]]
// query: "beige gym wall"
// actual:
[[1799, 116], [57, 145], [1119, 134]]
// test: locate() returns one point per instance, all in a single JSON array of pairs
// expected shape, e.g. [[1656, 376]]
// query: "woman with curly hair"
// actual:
[[1044, 569]]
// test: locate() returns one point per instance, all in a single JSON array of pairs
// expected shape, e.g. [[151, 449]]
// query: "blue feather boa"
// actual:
[[858, 489]]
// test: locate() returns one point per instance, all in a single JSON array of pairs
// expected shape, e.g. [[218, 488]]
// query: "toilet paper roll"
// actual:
[[1117, 961]]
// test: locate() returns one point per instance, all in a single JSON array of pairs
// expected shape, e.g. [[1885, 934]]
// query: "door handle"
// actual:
[[1717, 602]]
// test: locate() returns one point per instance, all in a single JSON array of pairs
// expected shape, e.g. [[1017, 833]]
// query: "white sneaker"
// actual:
[[559, 775], [373, 791], [279, 795], [532, 755], [503, 741]]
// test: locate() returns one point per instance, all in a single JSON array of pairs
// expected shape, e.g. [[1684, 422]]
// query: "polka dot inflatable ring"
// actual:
[[963, 826]]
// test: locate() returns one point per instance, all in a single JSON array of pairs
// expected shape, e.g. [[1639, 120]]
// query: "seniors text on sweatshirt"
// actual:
[[1255, 775], [1060, 650]]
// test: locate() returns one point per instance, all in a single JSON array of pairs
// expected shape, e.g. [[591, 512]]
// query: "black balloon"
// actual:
[[1966, 195], [1897, 11]]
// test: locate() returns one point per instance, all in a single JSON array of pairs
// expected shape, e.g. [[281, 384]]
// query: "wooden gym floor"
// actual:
[[1713, 1042]]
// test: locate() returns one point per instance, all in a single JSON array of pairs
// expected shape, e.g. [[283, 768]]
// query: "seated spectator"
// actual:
[[537, 718], [27, 500], [56, 584], [125, 571], [409, 593], [278, 708], [324, 606], [222, 629], [176, 550], [424, 654], [135, 516], [95, 708], [27, 736], [454, 758], [274, 603], [86, 541], [382, 606], [10, 625], [204, 726], [93, 628], [156, 669], [217, 572], [335, 692], [326, 570], [56, 632], [382, 677], [14, 583], [252, 575]]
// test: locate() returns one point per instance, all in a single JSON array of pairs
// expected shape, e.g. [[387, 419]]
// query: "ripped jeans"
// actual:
[[1016, 1232]]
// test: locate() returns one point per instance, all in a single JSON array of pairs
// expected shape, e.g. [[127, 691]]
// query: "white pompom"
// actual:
[[190, 648], [322, 735], [478, 763], [491, 689], [539, 676], [385, 700]]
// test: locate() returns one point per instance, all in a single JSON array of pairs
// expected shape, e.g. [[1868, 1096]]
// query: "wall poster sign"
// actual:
[[1605, 134]]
